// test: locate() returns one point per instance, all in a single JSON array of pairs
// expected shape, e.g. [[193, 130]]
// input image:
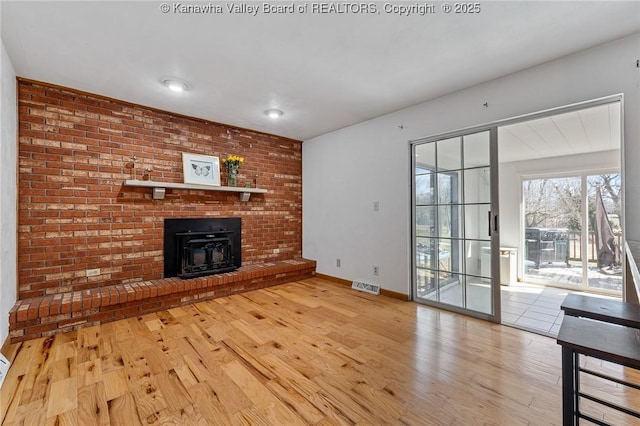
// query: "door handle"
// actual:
[[493, 224]]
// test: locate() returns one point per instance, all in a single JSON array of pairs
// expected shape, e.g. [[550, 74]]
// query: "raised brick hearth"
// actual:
[[48, 315]]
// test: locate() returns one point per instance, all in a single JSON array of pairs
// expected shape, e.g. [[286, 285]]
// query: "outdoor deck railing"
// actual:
[[575, 245]]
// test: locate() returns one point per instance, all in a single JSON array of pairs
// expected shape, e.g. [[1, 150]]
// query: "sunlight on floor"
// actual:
[[513, 289], [530, 307], [534, 308]]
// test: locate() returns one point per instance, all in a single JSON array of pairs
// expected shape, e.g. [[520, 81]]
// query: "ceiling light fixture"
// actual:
[[175, 85], [274, 113]]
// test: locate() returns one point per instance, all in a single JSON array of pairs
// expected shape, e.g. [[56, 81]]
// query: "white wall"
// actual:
[[511, 175], [346, 170], [8, 158]]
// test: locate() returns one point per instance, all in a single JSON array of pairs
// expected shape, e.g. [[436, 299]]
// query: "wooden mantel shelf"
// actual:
[[244, 192]]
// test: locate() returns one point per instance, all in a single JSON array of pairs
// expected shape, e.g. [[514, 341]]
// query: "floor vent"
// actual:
[[368, 288]]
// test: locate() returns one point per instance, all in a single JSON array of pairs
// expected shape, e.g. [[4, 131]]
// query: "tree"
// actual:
[[552, 203]]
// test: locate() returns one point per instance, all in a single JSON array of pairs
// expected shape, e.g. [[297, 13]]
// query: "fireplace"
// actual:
[[198, 247]]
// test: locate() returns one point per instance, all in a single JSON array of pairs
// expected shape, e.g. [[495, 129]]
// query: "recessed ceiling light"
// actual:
[[175, 85], [274, 113]]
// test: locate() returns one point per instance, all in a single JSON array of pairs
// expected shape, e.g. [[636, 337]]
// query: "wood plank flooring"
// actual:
[[310, 352]]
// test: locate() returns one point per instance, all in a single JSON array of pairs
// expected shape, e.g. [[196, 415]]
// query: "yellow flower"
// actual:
[[234, 160]]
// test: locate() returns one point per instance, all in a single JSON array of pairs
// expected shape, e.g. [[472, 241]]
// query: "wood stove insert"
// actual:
[[199, 247]]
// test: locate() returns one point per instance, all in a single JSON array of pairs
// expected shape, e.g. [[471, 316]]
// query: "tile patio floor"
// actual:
[[534, 308]]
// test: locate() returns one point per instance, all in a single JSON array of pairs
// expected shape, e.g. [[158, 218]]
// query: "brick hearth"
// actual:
[[48, 315]]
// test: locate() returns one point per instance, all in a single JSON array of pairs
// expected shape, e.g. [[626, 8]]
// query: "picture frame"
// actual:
[[201, 169]]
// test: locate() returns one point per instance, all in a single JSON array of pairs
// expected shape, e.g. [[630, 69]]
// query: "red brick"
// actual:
[[146, 290], [37, 330], [54, 307], [72, 322], [76, 304], [104, 296], [113, 296], [153, 289], [13, 313], [130, 292], [86, 300], [22, 312], [43, 310]]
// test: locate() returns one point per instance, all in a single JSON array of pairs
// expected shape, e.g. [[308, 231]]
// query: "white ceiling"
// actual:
[[589, 130], [325, 71]]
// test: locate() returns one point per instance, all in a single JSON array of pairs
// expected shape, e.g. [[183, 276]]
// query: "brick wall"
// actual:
[[75, 151]]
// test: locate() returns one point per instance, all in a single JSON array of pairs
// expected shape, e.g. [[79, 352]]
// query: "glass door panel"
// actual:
[[476, 150], [425, 154], [448, 256], [426, 284], [573, 231], [424, 188], [448, 188], [425, 221], [451, 289], [553, 218], [476, 185], [449, 155], [477, 222], [424, 249], [478, 293], [449, 221], [453, 202], [478, 259]]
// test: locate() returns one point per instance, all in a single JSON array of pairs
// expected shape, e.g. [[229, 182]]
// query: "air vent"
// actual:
[[367, 288]]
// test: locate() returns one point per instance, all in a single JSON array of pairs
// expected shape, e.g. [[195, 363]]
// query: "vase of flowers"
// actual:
[[233, 164]]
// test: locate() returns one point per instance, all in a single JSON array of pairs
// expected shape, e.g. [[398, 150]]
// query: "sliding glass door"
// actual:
[[455, 238], [573, 231]]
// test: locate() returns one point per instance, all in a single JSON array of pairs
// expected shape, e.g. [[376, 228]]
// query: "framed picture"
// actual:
[[201, 169]]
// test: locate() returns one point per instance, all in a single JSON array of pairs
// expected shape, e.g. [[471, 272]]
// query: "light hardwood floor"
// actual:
[[310, 352]]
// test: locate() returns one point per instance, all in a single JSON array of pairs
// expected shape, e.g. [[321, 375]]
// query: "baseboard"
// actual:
[[342, 281], [334, 279], [394, 294]]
